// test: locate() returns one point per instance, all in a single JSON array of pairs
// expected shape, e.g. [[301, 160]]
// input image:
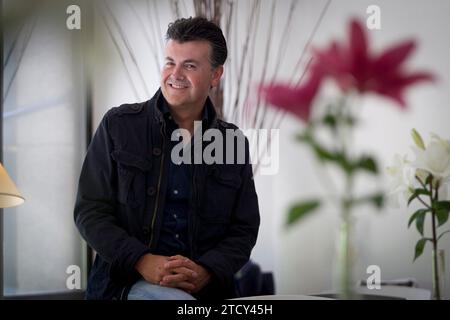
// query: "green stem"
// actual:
[[346, 269], [423, 202], [421, 182], [341, 134], [346, 263], [340, 118], [436, 284]]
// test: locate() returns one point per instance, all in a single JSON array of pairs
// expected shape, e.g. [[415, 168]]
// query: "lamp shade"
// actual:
[[9, 195]]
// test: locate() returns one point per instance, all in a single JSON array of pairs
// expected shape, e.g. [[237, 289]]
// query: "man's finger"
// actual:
[[178, 263], [186, 271], [189, 274], [173, 279], [187, 286], [176, 257]]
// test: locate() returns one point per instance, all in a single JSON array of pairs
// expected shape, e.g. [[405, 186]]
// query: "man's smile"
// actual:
[[177, 85]]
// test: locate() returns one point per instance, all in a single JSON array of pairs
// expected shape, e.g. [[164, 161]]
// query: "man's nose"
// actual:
[[177, 72]]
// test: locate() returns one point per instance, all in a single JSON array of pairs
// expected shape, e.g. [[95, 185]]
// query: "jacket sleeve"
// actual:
[[95, 208], [234, 251]]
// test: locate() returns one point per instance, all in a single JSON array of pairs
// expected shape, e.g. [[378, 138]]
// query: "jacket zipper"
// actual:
[[163, 128], [193, 210]]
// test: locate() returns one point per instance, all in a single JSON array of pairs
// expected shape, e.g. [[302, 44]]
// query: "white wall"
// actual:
[[302, 257]]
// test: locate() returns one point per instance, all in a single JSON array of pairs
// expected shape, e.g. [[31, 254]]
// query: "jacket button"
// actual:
[[151, 191], [145, 230], [156, 151]]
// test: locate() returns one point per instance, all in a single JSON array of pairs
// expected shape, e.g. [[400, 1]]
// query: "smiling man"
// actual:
[[187, 76], [163, 229]]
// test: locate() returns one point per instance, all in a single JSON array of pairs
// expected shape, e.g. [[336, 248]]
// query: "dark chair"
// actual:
[[251, 281]]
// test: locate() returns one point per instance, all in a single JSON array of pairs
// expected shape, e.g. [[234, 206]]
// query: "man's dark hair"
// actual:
[[198, 28]]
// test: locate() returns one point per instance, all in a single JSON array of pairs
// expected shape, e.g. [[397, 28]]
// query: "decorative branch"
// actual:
[[251, 66], [266, 59], [14, 44], [235, 105], [175, 8], [310, 39], [130, 51], [280, 54], [150, 43], [122, 59], [21, 54], [158, 24]]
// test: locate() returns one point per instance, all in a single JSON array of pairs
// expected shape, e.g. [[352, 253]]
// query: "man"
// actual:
[[166, 230]]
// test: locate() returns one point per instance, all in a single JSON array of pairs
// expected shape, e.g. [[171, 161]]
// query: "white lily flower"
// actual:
[[402, 179], [435, 158], [445, 143]]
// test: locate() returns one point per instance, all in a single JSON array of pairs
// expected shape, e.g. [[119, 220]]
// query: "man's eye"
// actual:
[[169, 63], [190, 66]]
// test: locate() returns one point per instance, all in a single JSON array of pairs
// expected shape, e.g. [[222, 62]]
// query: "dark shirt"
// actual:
[[173, 237]]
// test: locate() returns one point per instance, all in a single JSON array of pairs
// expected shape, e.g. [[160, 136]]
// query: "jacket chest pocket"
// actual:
[[132, 173], [220, 194]]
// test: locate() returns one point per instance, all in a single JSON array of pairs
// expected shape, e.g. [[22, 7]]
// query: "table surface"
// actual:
[[284, 297], [385, 292]]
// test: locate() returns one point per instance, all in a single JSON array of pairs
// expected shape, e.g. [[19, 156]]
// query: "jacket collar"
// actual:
[[158, 106]]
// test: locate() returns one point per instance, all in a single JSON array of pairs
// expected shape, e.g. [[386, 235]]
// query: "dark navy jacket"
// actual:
[[120, 202]]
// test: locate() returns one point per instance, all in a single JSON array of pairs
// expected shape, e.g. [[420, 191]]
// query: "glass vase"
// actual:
[[344, 260], [438, 256]]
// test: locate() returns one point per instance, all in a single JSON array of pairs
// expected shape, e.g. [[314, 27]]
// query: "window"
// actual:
[[43, 147]]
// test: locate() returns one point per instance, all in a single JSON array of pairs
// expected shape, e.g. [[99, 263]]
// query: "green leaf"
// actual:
[[378, 200], [420, 222], [344, 163], [419, 217], [442, 216], [299, 210], [303, 137], [445, 205], [366, 163], [442, 211], [306, 136], [442, 234], [420, 245], [330, 120], [415, 215], [418, 192], [324, 154], [349, 120]]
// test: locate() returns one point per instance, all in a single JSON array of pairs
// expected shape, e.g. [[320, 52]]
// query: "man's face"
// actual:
[[187, 75]]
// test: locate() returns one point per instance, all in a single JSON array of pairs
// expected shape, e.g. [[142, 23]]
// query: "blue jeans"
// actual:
[[143, 290]]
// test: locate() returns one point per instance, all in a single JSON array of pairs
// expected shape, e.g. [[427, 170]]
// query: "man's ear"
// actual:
[[217, 74]]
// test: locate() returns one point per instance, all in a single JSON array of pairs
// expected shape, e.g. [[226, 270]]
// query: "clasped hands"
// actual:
[[175, 271]]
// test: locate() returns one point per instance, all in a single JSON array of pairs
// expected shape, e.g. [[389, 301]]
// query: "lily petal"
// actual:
[[297, 100], [358, 41], [393, 57], [416, 77], [358, 52]]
